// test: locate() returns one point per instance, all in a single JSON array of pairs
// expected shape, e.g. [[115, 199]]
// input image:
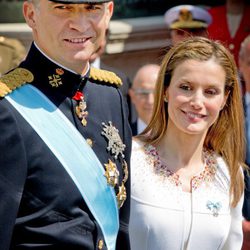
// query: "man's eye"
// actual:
[[93, 7], [61, 7]]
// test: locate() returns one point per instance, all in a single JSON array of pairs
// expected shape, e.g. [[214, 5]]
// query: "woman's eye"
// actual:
[[185, 87], [211, 91]]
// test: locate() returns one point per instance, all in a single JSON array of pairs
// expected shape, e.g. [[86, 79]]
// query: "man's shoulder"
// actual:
[[105, 77], [14, 79]]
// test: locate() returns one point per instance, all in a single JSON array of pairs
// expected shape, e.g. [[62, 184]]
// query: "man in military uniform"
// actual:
[[65, 138], [12, 52], [184, 21]]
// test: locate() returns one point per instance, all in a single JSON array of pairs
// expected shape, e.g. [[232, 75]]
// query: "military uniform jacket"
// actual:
[[40, 205]]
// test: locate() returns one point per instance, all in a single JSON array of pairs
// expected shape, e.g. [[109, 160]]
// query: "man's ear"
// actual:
[[29, 13], [109, 12]]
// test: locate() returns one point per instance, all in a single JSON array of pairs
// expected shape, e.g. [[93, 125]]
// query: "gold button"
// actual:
[[90, 142], [100, 244]]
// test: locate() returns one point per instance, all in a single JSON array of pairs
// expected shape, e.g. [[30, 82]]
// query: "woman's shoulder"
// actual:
[[222, 176], [137, 144]]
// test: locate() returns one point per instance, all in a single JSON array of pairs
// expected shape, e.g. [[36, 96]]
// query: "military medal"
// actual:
[[81, 107], [125, 171], [121, 196], [115, 145], [111, 173], [116, 148]]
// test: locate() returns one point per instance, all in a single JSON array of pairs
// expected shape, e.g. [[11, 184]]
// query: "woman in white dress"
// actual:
[[186, 167]]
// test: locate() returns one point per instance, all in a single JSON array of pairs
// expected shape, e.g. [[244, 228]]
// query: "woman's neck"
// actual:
[[181, 152]]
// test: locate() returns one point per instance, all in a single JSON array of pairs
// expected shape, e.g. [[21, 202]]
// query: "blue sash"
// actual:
[[76, 156]]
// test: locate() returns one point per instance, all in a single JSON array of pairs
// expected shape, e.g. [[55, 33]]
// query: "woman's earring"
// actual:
[[165, 99]]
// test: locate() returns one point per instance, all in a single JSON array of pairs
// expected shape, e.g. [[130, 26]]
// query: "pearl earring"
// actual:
[[165, 99]]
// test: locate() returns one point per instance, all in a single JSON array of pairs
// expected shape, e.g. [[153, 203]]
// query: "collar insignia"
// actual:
[[55, 79]]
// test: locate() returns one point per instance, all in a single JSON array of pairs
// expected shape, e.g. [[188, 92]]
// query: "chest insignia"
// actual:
[[111, 173], [121, 196], [115, 144]]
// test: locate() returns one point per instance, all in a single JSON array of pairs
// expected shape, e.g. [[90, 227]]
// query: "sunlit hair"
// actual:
[[226, 135]]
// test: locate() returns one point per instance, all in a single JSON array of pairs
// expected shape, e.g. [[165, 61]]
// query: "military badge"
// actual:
[[115, 144], [125, 171], [55, 79], [81, 111], [111, 173], [121, 196]]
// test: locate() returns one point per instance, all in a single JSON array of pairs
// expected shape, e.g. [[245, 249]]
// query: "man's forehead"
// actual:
[[79, 1]]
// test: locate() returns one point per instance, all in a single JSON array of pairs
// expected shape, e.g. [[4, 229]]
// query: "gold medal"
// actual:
[[111, 173], [125, 171], [121, 196]]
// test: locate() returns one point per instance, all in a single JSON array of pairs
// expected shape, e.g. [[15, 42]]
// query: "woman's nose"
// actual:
[[197, 100]]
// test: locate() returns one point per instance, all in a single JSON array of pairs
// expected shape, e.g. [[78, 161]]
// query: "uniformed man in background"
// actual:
[[184, 21], [12, 52], [65, 138]]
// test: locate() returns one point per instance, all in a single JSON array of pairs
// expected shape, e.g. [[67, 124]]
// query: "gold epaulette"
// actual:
[[14, 79], [105, 76]]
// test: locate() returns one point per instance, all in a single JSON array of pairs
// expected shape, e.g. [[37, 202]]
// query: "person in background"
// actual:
[[142, 95], [96, 62], [186, 179], [12, 52], [231, 24], [65, 138], [185, 21], [244, 69]]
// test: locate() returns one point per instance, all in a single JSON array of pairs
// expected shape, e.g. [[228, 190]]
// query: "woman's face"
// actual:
[[196, 95]]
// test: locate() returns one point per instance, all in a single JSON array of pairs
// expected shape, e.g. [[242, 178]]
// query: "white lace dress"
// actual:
[[163, 217]]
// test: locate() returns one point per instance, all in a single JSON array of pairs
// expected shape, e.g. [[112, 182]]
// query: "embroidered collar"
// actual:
[[160, 168]]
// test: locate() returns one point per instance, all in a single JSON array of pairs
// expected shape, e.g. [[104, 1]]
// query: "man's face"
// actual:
[[142, 92], [68, 33], [178, 35]]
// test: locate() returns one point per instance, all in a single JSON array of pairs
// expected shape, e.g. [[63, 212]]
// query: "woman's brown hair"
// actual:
[[226, 136]]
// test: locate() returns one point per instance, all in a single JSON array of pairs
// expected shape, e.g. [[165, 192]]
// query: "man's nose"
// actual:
[[150, 98], [79, 21]]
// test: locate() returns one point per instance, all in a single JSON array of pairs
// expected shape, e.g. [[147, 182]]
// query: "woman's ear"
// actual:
[[166, 95]]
